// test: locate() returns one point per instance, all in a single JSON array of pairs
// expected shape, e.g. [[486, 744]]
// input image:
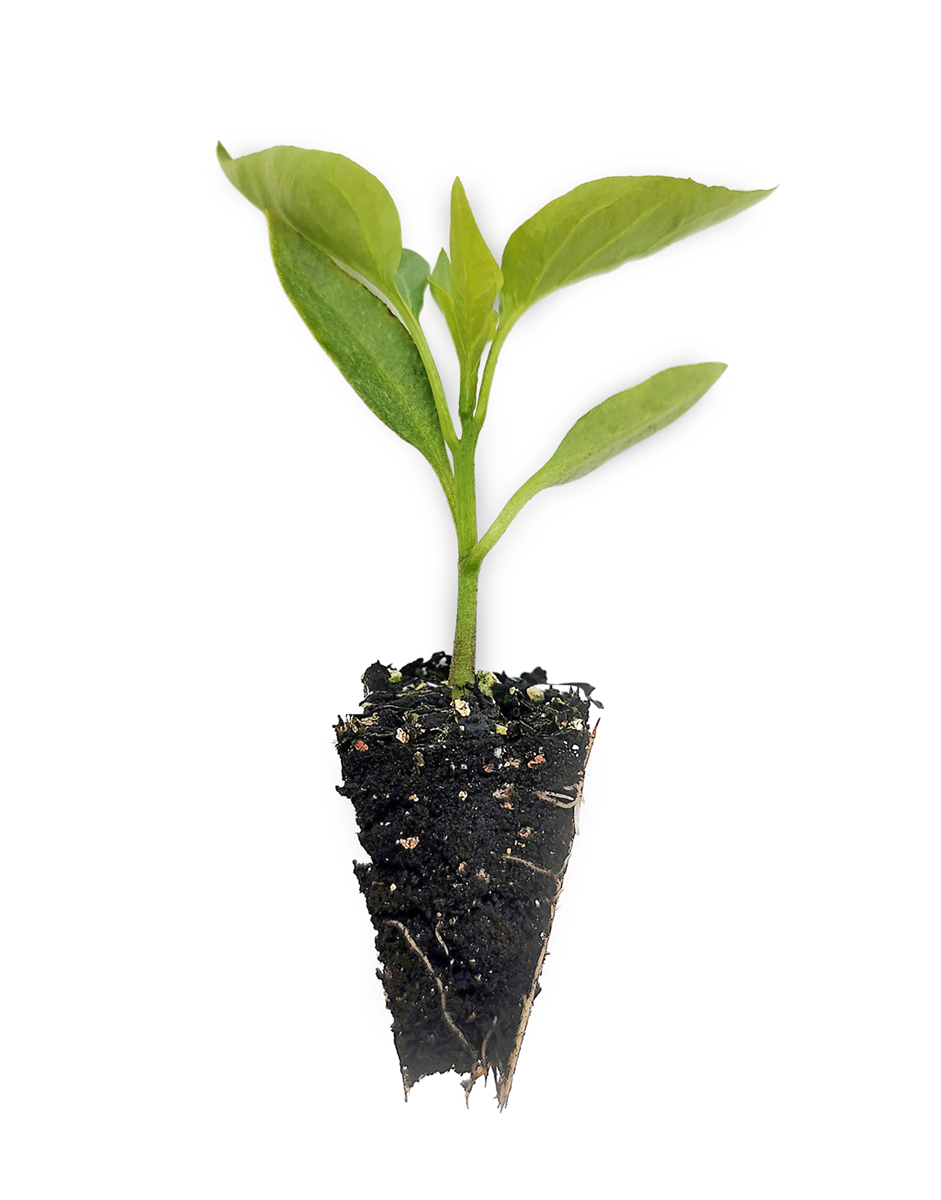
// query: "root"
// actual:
[[581, 774], [532, 866], [441, 942], [591, 742], [440, 986], [506, 1079], [483, 1048], [557, 799], [481, 1066]]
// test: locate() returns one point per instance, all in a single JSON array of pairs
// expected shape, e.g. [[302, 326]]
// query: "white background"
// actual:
[[207, 537]]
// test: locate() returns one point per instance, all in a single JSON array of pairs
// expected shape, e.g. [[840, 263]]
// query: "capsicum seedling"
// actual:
[[466, 784], [337, 246]]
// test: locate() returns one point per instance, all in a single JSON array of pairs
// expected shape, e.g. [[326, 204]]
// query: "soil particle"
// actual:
[[463, 881]]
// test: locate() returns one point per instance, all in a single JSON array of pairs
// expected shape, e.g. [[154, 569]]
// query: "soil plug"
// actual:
[[466, 783]]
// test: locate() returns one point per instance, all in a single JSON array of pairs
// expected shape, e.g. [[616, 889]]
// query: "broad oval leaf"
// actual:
[[331, 201], [625, 419], [365, 339], [411, 279], [600, 225]]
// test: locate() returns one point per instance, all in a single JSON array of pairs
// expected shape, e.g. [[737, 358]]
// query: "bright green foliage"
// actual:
[[411, 279], [626, 419], [329, 200], [466, 287], [365, 339], [606, 430], [603, 224], [440, 287], [337, 247]]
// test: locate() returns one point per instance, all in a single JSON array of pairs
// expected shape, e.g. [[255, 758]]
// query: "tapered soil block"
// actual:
[[467, 810]]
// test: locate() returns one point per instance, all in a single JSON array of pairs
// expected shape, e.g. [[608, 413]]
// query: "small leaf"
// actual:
[[600, 225], [331, 201], [440, 287], [411, 279], [474, 284], [441, 275], [364, 338], [626, 419], [605, 431]]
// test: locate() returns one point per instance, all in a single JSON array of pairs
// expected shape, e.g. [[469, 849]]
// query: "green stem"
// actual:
[[446, 479], [465, 631], [437, 389], [506, 324], [465, 494], [496, 531], [472, 410]]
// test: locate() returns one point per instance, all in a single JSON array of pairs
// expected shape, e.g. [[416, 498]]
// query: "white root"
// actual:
[[557, 799], [532, 866], [440, 986]]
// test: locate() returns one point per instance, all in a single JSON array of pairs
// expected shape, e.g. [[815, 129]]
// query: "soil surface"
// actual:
[[467, 810]]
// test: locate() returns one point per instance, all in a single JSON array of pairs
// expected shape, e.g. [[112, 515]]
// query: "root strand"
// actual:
[[440, 986], [533, 866]]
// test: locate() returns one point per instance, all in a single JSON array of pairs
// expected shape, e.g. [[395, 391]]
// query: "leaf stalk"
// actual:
[[437, 390]]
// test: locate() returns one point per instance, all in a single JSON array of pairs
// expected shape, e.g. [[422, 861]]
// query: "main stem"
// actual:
[[465, 630], [472, 411]]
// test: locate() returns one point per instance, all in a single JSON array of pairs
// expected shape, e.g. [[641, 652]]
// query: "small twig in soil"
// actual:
[[443, 944], [431, 971]]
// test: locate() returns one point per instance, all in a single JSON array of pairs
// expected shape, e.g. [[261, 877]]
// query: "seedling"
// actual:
[[459, 873]]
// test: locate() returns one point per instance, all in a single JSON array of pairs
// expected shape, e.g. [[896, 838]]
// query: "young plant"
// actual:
[[337, 247], [461, 871]]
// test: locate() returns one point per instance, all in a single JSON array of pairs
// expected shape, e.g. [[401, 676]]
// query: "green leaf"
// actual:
[[606, 430], [440, 287], [369, 344], [411, 279], [331, 201], [600, 225], [441, 275], [626, 419], [475, 280]]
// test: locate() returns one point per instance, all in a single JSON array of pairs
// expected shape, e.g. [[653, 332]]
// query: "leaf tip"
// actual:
[[441, 275], [714, 372], [222, 154]]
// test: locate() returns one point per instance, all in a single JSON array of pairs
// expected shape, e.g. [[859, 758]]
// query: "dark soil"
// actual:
[[467, 811]]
